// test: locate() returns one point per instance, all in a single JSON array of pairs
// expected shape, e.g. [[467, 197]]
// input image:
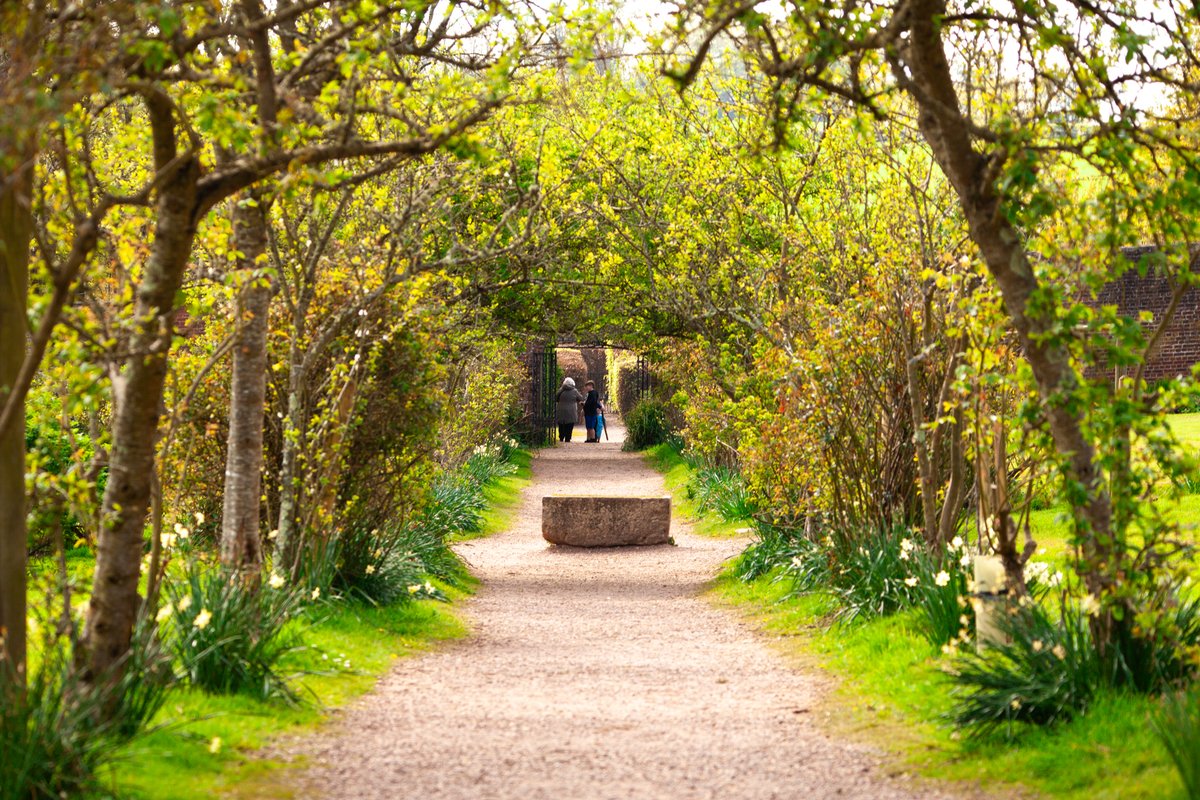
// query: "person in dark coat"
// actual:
[[592, 409], [566, 408]]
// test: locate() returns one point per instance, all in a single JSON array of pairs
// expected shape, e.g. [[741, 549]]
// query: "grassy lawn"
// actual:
[[1186, 428], [205, 746], [1049, 525]]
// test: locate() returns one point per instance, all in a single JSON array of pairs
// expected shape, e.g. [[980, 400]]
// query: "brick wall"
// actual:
[[1133, 293]]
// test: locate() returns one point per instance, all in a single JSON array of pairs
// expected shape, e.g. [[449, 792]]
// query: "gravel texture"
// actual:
[[592, 674]]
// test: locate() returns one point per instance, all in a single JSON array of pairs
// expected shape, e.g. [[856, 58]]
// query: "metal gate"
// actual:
[[541, 360], [642, 379]]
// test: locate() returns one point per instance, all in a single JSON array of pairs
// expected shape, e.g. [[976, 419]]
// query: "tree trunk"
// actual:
[[956, 484], [16, 230], [241, 545], [293, 437], [945, 129], [921, 437], [345, 416], [138, 401]]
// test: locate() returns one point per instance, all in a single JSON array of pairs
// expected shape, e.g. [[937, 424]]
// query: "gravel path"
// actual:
[[592, 674]]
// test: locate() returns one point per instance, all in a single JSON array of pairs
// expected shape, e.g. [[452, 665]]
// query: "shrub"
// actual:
[[1156, 650], [1048, 671], [645, 425], [230, 638], [1177, 725], [60, 490]]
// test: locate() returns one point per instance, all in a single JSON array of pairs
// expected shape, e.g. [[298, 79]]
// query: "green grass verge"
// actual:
[[676, 474], [206, 747], [893, 691]]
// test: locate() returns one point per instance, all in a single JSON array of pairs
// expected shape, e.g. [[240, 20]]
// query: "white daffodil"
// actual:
[[202, 619], [276, 581], [942, 578], [185, 602], [316, 593]]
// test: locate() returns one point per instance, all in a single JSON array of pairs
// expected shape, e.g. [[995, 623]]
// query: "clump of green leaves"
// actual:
[[941, 587], [721, 490], [52, 742], [1050, 666], [773, 548], [230, 636], [1047, 671], [869, 574], [392, 562], [1177, 725], [59, 731]]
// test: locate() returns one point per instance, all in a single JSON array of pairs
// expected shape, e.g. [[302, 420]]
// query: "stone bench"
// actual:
[[590, 521]]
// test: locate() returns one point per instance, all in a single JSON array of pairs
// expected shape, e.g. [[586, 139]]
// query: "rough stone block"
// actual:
[[590, 521]]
